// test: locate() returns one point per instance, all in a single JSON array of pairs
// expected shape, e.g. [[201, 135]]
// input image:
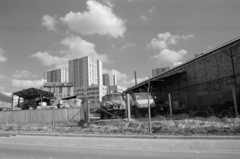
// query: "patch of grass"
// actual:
[[13, 127]]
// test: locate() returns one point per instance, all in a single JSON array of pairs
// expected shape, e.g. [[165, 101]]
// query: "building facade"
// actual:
[[109, 80], [158, 71], [85, 71], [116, 88], [93, 93], [61, 89], [58, 75]]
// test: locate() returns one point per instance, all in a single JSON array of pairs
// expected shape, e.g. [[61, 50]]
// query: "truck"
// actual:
[[139, 104], [113, 105]]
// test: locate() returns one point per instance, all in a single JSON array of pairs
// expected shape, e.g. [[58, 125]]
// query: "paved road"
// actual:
[[26, 147]]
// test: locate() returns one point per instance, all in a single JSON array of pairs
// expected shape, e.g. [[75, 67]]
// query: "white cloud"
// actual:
[[163, 42], [109, 3], [49, 60], [177, 63], [27, 83], [49, 22], [120, 76], [76, 48], [2, 58], [23, 74], [210, 47], [144, 18], [170, 55], [4, 80], [3, 77], [99, 19], [128, 45], [113, 46], [165, 39], [151, 9], [187, 37]]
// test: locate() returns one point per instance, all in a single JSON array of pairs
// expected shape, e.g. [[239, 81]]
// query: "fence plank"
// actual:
[[40, 116]]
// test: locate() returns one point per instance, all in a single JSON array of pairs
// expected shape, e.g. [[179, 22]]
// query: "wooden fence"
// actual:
[[41, 116]]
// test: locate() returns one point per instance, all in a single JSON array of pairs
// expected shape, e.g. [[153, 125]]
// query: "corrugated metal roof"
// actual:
[[33, 93]]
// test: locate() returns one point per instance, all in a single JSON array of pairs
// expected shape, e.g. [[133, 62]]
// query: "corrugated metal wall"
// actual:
[[207, 81]]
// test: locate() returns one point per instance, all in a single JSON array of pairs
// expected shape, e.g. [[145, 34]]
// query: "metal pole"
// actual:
[[41, 95], [170, 104], [12, 100], [135, 75], [53, 105], [88, 111], [235, 102], [128, 107], [149, 110]]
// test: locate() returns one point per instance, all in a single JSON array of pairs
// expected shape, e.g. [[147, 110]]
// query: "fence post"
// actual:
[[128, 107], [11, 117], [235, 102], [53, 108], [82, 111], [88, 111], [25, 117], [170, 104]]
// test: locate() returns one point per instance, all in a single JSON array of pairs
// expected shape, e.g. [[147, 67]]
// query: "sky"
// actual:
[[126, 35]]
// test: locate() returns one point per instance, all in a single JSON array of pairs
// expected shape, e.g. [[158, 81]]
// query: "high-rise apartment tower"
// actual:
[[58, 75], [109, 80], [85, 71]]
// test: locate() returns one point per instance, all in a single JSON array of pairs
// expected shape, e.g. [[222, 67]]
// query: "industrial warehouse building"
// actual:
[[208, 81]]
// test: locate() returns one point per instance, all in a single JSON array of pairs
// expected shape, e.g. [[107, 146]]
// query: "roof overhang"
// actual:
[[159, 78], [70, 97], [58, 84], [31, 93]]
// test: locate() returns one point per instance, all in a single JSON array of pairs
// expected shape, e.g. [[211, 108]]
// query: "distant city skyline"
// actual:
[[36, 36]]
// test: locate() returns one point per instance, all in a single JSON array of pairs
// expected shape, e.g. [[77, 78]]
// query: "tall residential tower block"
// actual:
[[58, 75], [85, 71]]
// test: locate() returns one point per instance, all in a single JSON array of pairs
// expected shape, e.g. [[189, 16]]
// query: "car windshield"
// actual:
[[112, 97], [142, 96]]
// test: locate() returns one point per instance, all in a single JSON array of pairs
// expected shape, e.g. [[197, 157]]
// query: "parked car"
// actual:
[[139, 104], [113, 105]]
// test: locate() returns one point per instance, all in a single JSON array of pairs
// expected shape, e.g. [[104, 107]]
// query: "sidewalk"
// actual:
[[125, 136]]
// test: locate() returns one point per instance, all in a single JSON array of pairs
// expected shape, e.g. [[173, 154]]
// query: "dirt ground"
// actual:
[[160, 126]]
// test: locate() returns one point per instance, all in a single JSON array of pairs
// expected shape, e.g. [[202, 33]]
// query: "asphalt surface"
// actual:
[[34, 147]]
